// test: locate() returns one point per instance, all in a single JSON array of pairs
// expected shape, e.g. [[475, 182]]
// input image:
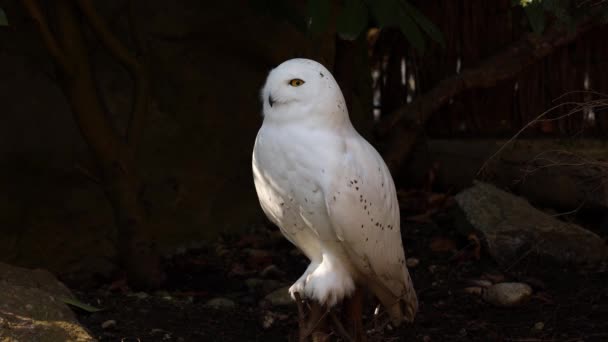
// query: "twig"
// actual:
[[129, 60], [340, 328], [51, 43], [301, 316]]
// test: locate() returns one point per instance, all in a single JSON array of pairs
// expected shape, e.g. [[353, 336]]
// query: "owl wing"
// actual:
[[364, 213]]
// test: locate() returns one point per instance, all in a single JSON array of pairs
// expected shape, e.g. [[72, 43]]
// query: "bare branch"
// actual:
[[129, 60], [51, 43], [405, 123]]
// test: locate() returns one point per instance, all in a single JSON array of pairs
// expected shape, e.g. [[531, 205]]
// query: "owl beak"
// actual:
[[270, 100]]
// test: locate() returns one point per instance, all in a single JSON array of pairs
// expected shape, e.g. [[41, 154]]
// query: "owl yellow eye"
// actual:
[[296, 82]]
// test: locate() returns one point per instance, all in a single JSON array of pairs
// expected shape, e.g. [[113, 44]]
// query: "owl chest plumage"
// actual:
[[291, 169]]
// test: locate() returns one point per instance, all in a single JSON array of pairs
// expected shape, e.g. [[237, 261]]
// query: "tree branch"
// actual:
[[50, 42], [403, 125], [130, 61]]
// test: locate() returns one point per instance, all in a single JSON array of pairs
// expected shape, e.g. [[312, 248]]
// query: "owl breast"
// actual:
[[288, 185]]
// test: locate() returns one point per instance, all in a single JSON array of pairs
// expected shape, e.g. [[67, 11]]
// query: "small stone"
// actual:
[[507, 294], [221, 303], [480, 283], [280, 297], [108, 324], [268, 320], [141, 295], [157, 331], [474, 290], [412, 262], [426, 338], [538, 326], [271, 271]]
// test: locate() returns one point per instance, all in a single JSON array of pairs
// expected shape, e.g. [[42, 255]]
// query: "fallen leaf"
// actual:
[[442, 245], [79, 304]]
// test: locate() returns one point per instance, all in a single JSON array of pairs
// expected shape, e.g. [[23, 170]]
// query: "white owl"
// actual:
[[329, 191]]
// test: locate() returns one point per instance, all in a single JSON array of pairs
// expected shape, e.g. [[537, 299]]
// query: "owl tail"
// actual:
[[401, 304]]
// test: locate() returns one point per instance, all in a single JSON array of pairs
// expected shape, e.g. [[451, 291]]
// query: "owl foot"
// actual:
[[329, 282], [298, 286]]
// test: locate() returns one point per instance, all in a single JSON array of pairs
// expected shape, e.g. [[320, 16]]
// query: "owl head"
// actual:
[[300, 89]]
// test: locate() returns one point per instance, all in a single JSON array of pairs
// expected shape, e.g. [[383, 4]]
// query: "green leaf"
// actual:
[[317, 16], [536, 16], [385, 12], [80, 305], [408, 27], [3, 18], [352, 19], [425, 24]]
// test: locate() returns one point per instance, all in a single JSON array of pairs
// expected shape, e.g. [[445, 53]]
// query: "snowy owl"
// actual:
[[329, 192]]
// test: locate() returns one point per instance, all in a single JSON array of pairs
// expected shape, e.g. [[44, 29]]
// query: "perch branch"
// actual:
[[129, 60], [403, 125], [50, 42], [340, 328]]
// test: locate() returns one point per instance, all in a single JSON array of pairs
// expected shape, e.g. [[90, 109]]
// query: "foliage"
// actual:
[[564, 12], [80, 305], [3, 18], [354, 16]]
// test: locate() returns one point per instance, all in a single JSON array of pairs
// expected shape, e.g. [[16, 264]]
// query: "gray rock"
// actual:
[[280, 297], [109, 324], [271, 271], [512, 228], [412, 262], [221, 303], [31, 308], [507, 294]]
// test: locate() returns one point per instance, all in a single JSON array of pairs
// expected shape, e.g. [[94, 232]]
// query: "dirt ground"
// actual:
[[568, 304]]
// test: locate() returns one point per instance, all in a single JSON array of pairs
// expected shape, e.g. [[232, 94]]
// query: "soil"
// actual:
[[568, 304]]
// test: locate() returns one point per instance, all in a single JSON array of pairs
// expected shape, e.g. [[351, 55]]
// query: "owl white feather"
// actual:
[[329, 191]]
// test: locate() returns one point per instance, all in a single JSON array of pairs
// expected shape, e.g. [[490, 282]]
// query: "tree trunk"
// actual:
[[113, 154]]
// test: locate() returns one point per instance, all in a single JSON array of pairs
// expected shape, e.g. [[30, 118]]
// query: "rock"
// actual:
[[108, 324], [512, 229], [480, 283], [142, 295], [221, 303], [271, 271], [507, 294], [538, 326], [267, 320], [31, 308], [280, 297], [474, 290], [412, 262]]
